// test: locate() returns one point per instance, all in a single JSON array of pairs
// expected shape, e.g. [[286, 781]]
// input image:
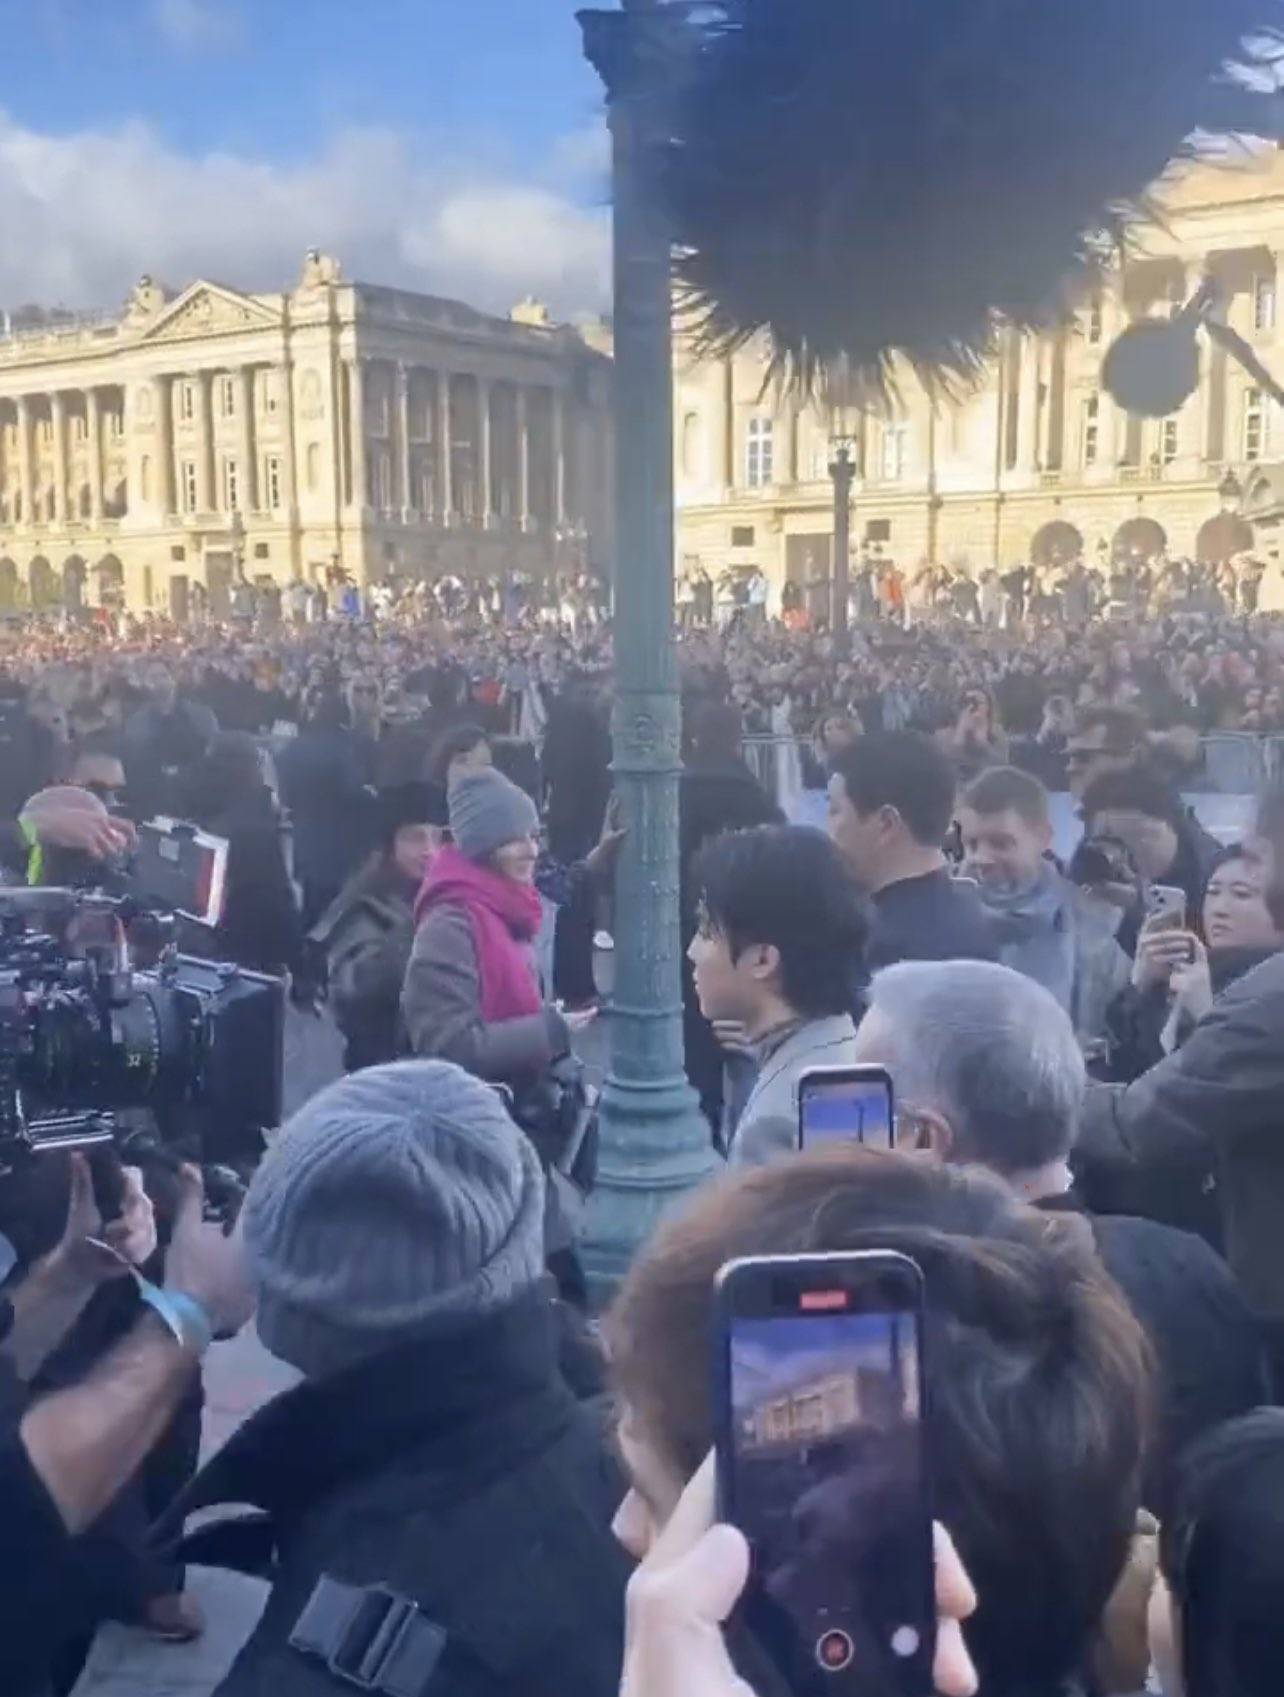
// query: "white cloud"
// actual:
[[198, 26], [86, 213]]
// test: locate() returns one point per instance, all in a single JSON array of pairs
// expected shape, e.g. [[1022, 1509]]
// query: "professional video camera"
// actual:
[[86, 1036]]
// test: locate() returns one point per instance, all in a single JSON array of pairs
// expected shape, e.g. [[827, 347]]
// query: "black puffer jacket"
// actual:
[[460, 1474]]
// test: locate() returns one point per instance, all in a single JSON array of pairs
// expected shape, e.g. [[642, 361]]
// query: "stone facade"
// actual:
[[153, 455], [973, 482]]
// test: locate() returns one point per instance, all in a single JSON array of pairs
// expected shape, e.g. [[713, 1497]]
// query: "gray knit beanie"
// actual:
[[487, 810], [401, 1201]]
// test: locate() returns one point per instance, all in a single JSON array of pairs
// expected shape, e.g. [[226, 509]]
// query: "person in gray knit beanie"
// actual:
[[400, 1202], [488, 810]]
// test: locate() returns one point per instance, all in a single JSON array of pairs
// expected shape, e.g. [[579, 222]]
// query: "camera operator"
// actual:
[[62, 817], [64, 1457]]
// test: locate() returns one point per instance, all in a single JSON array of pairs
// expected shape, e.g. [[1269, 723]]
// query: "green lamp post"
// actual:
[[655, 1141]]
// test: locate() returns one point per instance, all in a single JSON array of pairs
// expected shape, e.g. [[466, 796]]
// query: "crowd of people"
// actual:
[[475, 1488]]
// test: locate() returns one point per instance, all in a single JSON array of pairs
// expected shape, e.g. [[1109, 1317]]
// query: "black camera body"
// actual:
[[85, 1036]]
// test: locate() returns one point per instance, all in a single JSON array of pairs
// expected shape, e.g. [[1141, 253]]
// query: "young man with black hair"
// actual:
[[779, 933], [891, 802]]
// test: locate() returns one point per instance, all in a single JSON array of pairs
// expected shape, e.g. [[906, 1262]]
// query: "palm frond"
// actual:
[[863, 181]]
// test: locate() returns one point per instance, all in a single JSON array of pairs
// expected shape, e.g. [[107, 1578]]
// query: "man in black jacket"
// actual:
[[988, 1071], [432, 1495], [891, 802]]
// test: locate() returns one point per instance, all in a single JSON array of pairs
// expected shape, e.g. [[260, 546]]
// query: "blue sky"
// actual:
[[439, 143]]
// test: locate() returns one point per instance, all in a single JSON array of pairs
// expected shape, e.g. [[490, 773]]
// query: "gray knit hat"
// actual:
[[487, 810], [401, 1201]]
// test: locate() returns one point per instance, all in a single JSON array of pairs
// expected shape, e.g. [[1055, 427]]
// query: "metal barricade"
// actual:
[[779, 763], [1236, 762]]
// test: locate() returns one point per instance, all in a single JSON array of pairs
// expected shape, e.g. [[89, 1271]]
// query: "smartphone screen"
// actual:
[[845, 1102], [821, 1465]]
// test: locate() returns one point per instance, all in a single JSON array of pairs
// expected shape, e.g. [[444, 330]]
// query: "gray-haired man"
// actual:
[[988, 1071]]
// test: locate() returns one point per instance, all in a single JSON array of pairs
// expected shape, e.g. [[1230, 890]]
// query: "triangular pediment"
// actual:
[[206, 309]]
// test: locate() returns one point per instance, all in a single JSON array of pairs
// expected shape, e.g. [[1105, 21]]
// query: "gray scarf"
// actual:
[[1034, 931]]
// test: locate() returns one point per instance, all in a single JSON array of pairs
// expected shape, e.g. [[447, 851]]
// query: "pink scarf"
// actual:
[[504, 916]]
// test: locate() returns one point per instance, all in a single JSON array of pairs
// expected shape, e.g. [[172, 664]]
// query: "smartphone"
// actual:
[[846, 1102], [821, 1463], [1165, 908]]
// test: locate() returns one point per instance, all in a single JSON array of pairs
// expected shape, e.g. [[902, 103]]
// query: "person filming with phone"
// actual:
[[1030, 1428], [1168, 848], [1179, 969]]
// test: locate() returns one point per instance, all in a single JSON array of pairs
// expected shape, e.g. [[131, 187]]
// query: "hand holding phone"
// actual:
[[821, 1465], [693, 1575]]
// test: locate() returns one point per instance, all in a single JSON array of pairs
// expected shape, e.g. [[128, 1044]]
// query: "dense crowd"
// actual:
[[473, 1489]]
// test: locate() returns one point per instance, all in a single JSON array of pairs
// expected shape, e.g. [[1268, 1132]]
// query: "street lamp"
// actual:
[[842, 469], [655, 1142]]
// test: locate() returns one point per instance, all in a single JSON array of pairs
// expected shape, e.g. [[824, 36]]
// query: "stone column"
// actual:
[[445, 479], [485, 483], [206, 499], [559, 456], [248, 480], [163, 396], [58, 423], [403, 436], [26, 469], [1027, 459], [93, 429], [523, 461], [357, 432]]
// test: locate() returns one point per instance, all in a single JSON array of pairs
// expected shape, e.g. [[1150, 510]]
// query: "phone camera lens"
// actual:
[[834, 1651]]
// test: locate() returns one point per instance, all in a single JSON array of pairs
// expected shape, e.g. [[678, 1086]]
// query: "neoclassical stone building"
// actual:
[[154, 454], [1038, 444]]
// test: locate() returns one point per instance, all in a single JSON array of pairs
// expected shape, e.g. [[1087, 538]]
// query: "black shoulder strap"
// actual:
[[370, 1638]]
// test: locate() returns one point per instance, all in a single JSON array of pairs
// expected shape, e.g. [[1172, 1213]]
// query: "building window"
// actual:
[[1256, 430], [895, 446], [116, 425], [187, 402], [742, 535], [1264, 303], [1094, 323], [187, 485], [759, 453], [85, 500], [227, 396], [46, 430], [145, 477], [79, 429], [231, 487], [269, 391], [314, 465], [272, 481], [1168, 443], [1090, 441]]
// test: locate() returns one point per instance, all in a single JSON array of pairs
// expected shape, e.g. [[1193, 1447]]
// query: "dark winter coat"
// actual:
[[367, 935], [459, 1473], [1208, 1351], [1214, 1107], [261, 928]]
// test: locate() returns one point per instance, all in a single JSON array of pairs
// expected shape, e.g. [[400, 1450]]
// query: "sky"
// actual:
[[454, 146]]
